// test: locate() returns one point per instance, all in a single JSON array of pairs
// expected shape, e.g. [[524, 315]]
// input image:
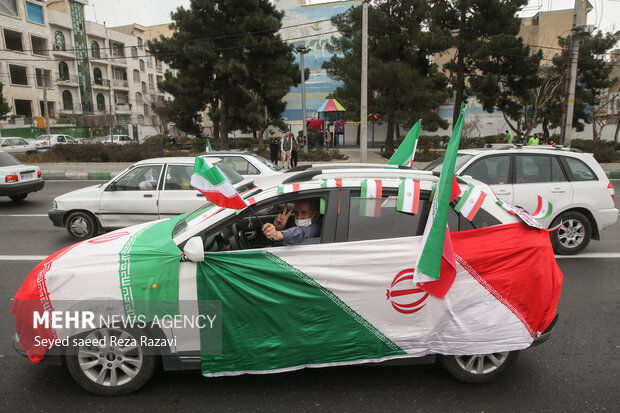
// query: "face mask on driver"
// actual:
[[304, 222]]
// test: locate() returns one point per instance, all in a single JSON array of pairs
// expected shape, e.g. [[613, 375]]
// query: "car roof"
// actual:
[[230, 152], [173, 159], [504, 148]]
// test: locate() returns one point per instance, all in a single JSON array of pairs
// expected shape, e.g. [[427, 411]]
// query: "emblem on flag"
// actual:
[[407, 300]]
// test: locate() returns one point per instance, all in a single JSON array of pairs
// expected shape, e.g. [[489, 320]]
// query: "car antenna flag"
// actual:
[[406, 150], [209, 180]]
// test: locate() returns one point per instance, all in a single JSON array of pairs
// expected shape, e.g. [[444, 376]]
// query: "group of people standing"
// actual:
[[285, 147], [531, 141]]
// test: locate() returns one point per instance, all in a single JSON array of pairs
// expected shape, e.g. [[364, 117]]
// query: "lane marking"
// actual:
[[592, 255], [23, 215], [22, 257]]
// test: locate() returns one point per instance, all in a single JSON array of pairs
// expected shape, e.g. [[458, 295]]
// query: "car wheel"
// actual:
[[573, 235], [81, 225], [18, 198], [109, 370], [479, 368]]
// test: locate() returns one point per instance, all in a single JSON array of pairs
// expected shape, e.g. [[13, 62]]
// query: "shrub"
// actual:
[[603, 151], [101, 153]]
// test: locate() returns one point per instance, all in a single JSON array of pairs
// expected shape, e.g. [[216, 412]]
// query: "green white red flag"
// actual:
[[330, 183], [408, 196], [470, 202], [370, 206], [543, 209], [288, 188], [210, 181], [435, 255], [406, 151]]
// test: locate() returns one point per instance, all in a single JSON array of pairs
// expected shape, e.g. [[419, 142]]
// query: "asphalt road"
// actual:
[[576, 370]]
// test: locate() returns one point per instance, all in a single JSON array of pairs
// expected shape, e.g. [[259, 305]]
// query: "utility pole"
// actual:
[[578, 29], [364, 87], [45, 110], [302, 51]]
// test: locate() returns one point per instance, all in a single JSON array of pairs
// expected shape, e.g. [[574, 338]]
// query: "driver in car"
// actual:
[[307, 224]]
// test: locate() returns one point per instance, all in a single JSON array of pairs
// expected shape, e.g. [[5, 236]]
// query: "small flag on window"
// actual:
[[470, 203], [288, 188], [370, 206], [408, 196]]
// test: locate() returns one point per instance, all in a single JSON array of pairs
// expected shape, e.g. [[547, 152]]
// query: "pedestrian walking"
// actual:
[[274, 148], [287, 146], [508, 136], [293, 152]]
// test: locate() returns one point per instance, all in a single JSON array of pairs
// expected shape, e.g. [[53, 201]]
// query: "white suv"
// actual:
[[572, 181]]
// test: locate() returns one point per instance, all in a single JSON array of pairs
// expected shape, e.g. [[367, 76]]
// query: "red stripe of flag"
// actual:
[[476, 207], [539, 207], [416, 196]]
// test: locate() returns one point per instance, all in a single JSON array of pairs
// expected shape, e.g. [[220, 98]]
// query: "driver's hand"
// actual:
[[272, 233], [282, 218]]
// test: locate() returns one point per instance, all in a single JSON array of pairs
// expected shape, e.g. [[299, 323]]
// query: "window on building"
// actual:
[[149, 61], [9, 7], [59, 41], [39, 45], [51, 112], [117, 49], [151, 82], [138, 98], [147, 109], [44, 77], [23, 108], [63, 71], [140, 43], [94, 49], [35, 13], [136, 76], [19, 75], [97, 76], [13, 40], [142, 68], [100, 102], [144, 91], [134, 52], [140, 119], [67, 100]]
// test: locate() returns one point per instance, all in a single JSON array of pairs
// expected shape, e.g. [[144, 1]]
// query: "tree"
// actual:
[[227, 52], [403, 84], [478, 31], [4, 107]]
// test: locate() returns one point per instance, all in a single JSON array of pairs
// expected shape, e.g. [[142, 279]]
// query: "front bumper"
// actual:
[[545, 334], [19, 188], [57, 216]]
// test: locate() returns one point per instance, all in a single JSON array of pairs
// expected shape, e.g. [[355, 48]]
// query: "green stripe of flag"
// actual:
[[464, 197]]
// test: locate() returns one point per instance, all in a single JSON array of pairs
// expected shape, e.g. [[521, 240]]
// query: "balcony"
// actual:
[[103, 56], [71, 80], [159, 68], [118, 83], [118, 60], [123, 108], [64, 50], [100, 84]]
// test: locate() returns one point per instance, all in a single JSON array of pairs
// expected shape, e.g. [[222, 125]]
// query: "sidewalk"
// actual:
[[108, 170]]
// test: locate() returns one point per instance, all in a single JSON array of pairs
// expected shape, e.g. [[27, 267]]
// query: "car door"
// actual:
[[541, 174], [131, 198], [177, 195], [495, 171]]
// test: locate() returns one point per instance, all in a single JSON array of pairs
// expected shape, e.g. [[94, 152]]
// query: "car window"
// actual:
[[461, 159], [6, 159], [178, 177], [70, 140], [61, 139], [5, 142], [140, 178], [269, 164], [240, 165], [377, 218], [230, 174], [537, 168], [579, 170], [492, 170]]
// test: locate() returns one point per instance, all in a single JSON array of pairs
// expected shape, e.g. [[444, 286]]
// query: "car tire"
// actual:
[[18, 198], [110, 371], [573, 236], [479, 368], [81, 225]]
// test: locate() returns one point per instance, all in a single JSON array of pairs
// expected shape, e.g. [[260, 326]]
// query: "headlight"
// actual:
[[54, 204]]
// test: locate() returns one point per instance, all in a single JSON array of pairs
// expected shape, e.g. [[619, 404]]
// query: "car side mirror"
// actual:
[[194, 250], [111, 187]]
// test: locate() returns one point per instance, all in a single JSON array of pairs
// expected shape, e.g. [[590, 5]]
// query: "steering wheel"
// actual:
[[240, 238]]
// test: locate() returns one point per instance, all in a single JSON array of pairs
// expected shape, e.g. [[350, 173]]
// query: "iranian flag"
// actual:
[[470, 202], [406, 151], [370, 206], [210, 181], [331, 183], [435, 254], [408, 196], [543, 209], [288, 188]]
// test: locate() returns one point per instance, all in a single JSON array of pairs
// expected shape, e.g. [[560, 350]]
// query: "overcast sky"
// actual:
[[606, 13]]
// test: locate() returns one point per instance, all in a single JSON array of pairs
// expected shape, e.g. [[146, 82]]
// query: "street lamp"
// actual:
[[302, 50]]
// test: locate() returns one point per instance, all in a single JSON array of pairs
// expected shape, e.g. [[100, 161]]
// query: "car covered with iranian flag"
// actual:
[[207, 290]]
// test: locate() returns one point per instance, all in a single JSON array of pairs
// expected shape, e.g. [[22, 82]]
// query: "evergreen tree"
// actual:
[[403, 84], [227, 53], [4, 107]]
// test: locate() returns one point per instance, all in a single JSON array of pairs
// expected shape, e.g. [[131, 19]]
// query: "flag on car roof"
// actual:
[[408, 196], [288, 188], [370, 206], [329, 183], [470, 202], [543, 209], [435, 256], [208, 146], [210, 181], [406, 151]]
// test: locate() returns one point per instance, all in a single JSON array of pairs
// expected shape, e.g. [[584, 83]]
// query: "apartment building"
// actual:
[[26, 64], [92, 70]]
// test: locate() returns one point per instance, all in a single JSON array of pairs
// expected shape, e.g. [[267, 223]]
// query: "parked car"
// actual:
[[247, 164], [47, 141], [147, 190], [18, 180], [16, 145], [346, 297], [118, 140], [572, 181]]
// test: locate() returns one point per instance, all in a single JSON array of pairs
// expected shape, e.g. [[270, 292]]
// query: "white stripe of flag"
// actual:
[[288, 188], [408, 196]]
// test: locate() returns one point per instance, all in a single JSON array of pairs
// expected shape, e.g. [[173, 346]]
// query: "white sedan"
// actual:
[[247, 164], [18, 180], [148, 190], [16, 145]]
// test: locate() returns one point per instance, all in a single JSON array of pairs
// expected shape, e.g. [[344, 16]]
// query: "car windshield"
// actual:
[[269, 164], [435, 166], [8, 160]]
